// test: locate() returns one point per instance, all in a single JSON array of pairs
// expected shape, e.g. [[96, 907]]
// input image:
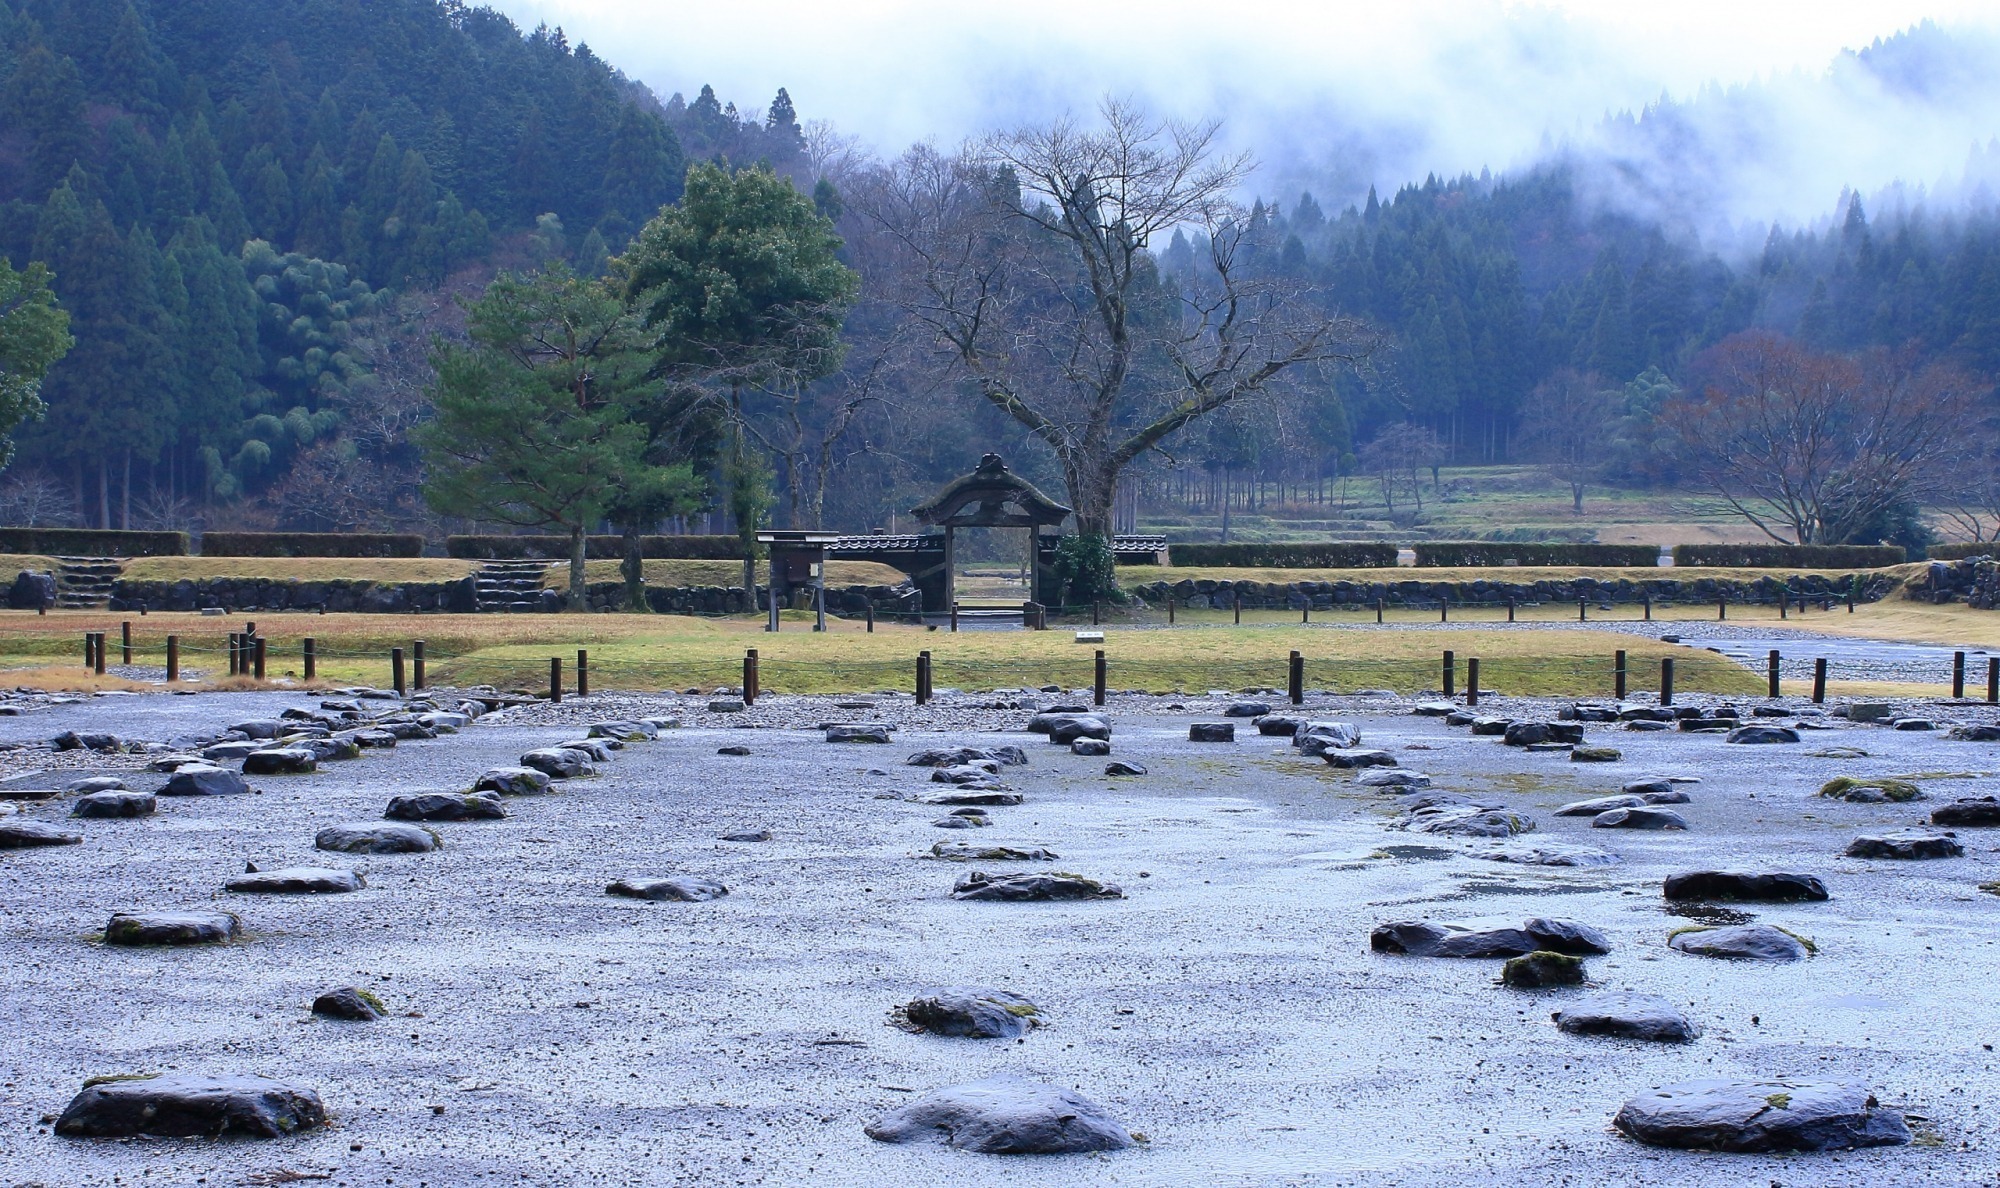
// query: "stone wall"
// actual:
[[1221, 595], [1975, 581], [460, 597]]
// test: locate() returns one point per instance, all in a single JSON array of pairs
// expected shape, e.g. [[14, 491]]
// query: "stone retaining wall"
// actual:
[[460, 597], [1221, 595], [1975, 581]]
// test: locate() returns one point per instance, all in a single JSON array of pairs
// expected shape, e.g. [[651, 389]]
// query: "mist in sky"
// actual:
[[1773, 109]]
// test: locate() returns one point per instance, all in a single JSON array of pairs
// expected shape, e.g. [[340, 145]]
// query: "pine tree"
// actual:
[[44, 99]]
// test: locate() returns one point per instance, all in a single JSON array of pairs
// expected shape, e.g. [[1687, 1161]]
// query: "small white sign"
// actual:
[[1090, 637]]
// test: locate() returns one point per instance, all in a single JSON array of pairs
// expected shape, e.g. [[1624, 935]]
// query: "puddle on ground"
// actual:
[[1703, 913], [1485, 888], [1414, 853]]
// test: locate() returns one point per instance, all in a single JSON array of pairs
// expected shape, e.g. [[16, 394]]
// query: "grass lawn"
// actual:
[[315, 569], [669, 571]]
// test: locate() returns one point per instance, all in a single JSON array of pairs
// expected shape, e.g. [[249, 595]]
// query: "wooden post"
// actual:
[[750, 676], [1784, 604], [1097, 680], [257, 653], [1618, 670], [869, 611], [1510, 609], [1666, 680], [1450, 674], [1295, 679], [1649, 608], [954, 618], [173, 658], [1170, 610], [233, 653], [1378, 610], [125, 642], [89, 651], [1819, 681], [417, 664], [1771, 673], [1444, 611], [923, 677], [396, 671], [1721, 607], [1852, 587], [1993, 680], [1958, 676], [582, 673], [1583, 610], [1239, 610], [555, 679], [311, 649], [1305, 611], [1472, 681], [101, 649]]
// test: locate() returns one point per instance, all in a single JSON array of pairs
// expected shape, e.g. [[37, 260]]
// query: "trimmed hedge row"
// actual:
[[311, 544], [93, 542], [1959, 550], [1781, 556], [598, 548], [1470, 553], [1328, 555]]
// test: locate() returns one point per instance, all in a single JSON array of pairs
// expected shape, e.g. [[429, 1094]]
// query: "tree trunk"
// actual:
[[125, 509], [1576, 493], [103, 492], [578, 600], [633, 569], [1092, 483]]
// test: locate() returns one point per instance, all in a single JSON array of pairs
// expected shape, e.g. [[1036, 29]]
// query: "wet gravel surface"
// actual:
[[1229, 1008]]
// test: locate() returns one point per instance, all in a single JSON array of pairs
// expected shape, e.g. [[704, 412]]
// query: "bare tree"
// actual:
[[1566, 427], [1028, 260], [31, 499], [1815, 449], [1397, 458]]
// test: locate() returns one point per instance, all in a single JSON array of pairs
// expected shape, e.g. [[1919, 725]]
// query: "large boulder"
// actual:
[[31, 591], [1755, 1117], [445, 806], [512, 781], [1870, 790], [280, 761], [1357, 757], [1212, 732], [376, 837], [1314, 737], [1752, 735], [172, 928], [1627, 1015], [1422, 938], [1004, 1115], [972, 1012], [625, 731], [1968, 810], [297, 880], [858, 732], [1642, 817], [1742, 942], [1478, 819], [114, 804], [1749, 886], [1906, 844], [559, 763], [203, 779], [190, 1105]]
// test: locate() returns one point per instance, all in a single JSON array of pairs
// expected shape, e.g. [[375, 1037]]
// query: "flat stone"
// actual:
[[756, 835], [1489, 726], [172, 928], [70, 740], [1906, 844], [1015, 888], [9, 795], [1465, 820], [1598, 804], [1004, 1115], [191, 1105], [1982, 732], [1247, 709], [297, 880], [1968, 810], [1279, 726], [1358, 757], [1595, 755], [597, 750], [973, 1012], [1741, 942], [114, 804], [1627, 1014], [376, 837], [1547, 854], [1762, 734], [445, 806], [958, 756], [374, 740], [1541, 968], [954, 821], [1745, 886], [1124, 767], [173, 763], [280, 761], [957, 851], [1755, 1117], [683, 888], [1422, 938], [559, 763], [1093, 747], [1522, 734], [260, 728], [1647, 725], [90, 784], [1212, 732], [1648, 786], [1070, 729], [1314, 737], [726, 705], [350, 1003], [204, 780], [865, 732], [1434, 709], [975, 796], [625, 731], [231, 752], [1644, 817], [332, 749], [1393, 778], [1913, 724], [28, 835], [733, 749], [512, 781]]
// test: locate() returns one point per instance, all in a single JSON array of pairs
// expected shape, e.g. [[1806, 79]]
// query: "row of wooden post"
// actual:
[[1444, 609]]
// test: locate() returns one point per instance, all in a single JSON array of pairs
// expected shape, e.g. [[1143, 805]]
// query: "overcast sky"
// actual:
[[1347, 93]]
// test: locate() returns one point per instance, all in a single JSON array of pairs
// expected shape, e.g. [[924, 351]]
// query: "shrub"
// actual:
[[1959, 550], [1086, 570], [1485, 553], [1273, 555], [1782, 556], [599, 548], [311, 544], [93, 542]]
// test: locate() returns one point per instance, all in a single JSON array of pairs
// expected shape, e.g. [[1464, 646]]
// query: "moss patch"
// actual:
[[1802, 939], [114, 1078], [1847, 787], [1780, 1101]]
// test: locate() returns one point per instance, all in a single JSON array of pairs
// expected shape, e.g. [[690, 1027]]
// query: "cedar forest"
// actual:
[[263, 216]]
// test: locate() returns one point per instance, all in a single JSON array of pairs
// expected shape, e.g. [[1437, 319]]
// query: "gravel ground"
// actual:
[[1229, 1008]]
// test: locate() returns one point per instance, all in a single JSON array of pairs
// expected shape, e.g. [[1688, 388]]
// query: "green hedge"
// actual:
[[311, 544], [1325, 555], [93, 542], [1959, 550], [600, 548], [1479, 553], [1780, 556]]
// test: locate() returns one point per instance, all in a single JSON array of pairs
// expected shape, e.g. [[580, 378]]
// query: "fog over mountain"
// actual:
[[1712, 117]]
